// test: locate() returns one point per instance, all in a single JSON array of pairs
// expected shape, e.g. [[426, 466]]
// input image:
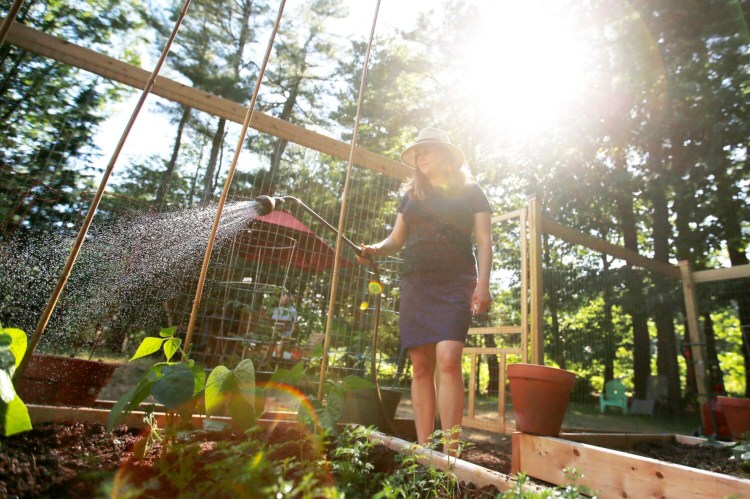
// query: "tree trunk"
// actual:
[[608, 326], [208, 188], [636, 306], [286, 114], [713, 370], [167, 175], [666, 343]]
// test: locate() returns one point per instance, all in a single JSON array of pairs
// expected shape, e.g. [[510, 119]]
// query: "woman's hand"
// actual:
[[481, 299], [366, 252]]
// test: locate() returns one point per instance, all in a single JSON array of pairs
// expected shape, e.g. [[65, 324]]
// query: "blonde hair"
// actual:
[[419, 187]]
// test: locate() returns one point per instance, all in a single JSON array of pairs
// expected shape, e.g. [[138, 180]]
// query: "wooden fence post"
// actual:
[[535, 280], [697, 341]]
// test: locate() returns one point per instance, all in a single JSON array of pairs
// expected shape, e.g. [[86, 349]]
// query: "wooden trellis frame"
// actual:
[[471, 420], [113, 69]]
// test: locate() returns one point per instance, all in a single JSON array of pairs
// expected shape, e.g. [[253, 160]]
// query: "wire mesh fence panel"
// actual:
[[605, 320], [724, 320]]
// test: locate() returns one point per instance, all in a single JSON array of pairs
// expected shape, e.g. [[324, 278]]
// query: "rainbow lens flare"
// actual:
[[374, 288]]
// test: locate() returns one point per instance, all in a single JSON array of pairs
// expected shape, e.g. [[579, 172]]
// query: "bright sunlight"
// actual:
[[525, 66]]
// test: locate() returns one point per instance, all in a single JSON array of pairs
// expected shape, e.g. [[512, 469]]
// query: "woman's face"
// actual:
[[432, 160]]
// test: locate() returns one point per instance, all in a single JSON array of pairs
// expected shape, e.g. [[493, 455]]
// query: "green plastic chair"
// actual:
[[614, 395]]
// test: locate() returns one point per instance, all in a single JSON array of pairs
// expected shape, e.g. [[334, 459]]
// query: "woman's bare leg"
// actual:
[[450, 399], [423, 390]]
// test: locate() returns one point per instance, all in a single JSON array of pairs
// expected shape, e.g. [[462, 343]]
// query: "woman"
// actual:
[[442, 282]]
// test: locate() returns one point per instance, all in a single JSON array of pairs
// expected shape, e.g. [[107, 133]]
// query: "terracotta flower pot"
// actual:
[[55, 380], [737, 412], [540, 397]]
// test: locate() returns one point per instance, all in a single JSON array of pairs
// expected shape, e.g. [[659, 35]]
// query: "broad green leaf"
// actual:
[[7, 392], [118, 410], [167, 332], [133, 398], [5, 340], [18, 346], [334, 404], [245, 372], [147, 347], [241, 409], [171, 346], [140, 447], [15, 417], [351, 383], [199, 375], [299, 369], [242, 403], [282, 376], [175, 387], [214, 395]]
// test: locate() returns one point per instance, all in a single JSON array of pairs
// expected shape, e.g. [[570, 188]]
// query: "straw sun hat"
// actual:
[[432, 136]]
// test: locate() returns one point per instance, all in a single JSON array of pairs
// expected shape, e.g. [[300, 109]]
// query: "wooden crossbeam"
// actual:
[[496, 330], [551, 227], [739, 272], [108, 67]]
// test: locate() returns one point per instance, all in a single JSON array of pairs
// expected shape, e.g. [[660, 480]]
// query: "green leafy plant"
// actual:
[[14, 416], [741, 450], [325, 412], [414, 479], [172, 384], [570, 491], [234, 392]]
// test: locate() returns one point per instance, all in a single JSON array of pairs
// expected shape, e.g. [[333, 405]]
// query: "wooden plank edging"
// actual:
[[617, 474], [464, 471], [59, 414]]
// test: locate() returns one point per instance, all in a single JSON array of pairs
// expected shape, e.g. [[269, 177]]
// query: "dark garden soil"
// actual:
[[715, 459], [81, 460]]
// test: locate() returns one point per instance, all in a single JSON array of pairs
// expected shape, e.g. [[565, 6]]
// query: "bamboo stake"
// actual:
[[8, 21], [52, 303], [228, 183], [342, 213]]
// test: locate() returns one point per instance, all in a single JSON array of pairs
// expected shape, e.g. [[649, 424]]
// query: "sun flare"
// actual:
[[525, 66]]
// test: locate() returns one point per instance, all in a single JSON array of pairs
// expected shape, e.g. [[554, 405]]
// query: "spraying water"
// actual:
[[127, 268]]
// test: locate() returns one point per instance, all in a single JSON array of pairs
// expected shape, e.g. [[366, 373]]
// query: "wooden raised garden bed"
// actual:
[[616, 473], [472, 477]]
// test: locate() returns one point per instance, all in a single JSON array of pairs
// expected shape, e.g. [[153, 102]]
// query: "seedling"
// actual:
[[741, 450]]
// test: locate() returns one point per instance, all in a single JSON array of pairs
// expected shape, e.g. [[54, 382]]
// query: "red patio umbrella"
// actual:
[[282, 239]]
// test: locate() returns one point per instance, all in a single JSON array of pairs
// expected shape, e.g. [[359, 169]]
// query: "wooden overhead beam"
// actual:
[[551, 227], [739, 272], [89, 60]]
